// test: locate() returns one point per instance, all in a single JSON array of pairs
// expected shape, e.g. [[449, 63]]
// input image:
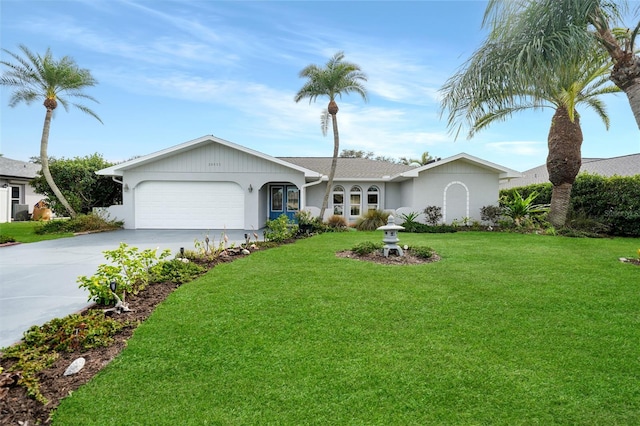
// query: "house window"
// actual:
[[355, 200], [293, 199], [15, 196], [276, 198], [338, 200], [373, 197]]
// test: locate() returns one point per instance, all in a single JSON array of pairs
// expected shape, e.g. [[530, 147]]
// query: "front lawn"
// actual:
[[24, 232], [505, 329]]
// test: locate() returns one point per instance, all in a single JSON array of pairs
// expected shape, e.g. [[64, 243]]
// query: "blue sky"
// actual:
[[170, 72]]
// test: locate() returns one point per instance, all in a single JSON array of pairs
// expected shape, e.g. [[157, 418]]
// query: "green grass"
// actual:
[[24, 232], [506, 329]]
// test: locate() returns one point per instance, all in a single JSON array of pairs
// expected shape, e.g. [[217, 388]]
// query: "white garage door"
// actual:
[[189, 205]]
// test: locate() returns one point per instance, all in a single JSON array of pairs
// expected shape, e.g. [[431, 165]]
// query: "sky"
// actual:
[[173, 71]]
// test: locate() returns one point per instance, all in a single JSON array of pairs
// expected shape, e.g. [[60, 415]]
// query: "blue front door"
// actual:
[[283, 199]]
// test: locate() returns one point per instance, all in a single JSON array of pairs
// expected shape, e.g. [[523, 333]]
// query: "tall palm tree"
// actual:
[[493, 84], [560, 28], [35, 77], [337, 77], [424, 159]]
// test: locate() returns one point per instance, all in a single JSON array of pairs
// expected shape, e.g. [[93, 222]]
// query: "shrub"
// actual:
[[366, 247], [308, 223], [280, 229], [423, 252], [433, 215], [178, 271], [337, 223], [519, 209], [6, 239], [491, 214], [81, 223], [421, 228], [372, 220]]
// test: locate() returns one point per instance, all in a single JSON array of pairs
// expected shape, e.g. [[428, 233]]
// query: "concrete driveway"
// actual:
[[38, 280]]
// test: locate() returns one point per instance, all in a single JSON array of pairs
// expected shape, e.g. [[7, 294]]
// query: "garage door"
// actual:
[[189, 205]]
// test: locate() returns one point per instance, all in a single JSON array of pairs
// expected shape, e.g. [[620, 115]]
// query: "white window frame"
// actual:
[[338, 190], [355, 190], [373, 190]]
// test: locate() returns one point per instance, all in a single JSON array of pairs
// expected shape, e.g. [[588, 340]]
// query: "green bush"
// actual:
[[309, 223], [423, 252], [337, 223], [433, 215], [6, 239], [372, 220], [421, 228], [178, 271], [280, 229], [82, 223], [366, 247]]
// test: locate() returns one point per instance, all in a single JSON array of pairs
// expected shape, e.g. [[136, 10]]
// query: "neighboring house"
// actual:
[[17, 197], [210, 183], [626, 165]]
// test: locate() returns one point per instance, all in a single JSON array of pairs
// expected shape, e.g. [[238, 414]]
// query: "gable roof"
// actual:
[[350, 168], [626, 165], [18, 169], [503, 172], [118, 169]]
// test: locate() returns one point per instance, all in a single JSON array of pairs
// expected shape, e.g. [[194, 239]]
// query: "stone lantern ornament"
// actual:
[[391, 239]]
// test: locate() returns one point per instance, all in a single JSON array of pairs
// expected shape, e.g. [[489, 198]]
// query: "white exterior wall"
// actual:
[[212, 163], [459, 188], [5, 205]]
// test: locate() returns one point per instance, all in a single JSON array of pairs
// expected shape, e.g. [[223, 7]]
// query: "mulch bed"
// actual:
[[393, 259]]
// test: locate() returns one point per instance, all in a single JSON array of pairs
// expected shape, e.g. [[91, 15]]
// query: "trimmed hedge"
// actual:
[[611, 201]]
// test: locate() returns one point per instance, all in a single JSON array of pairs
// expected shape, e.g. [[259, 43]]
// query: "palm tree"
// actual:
[[36, 77], [561, 28], [336, 78], [494, 84], [424, 159]]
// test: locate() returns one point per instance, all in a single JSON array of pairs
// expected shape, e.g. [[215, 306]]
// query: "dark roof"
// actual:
[[626, 165], [349, 168], [18, 169]]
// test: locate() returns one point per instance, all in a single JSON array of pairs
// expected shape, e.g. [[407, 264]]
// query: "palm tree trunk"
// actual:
[[44, 159], [563, 162], [334, 164]]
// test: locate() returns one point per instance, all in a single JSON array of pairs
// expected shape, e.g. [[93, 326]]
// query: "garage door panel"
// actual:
[[189, 205]]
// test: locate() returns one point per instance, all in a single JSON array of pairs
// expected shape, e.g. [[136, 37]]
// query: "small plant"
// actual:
[[129, 270], [372, 220], [337, 223], [280, 229], [309, 224], [433, 215], [366, 247], [491, 214], [81, 223], [41, 346], [178, 271], [423, 252], [6, 239], [519, 208]]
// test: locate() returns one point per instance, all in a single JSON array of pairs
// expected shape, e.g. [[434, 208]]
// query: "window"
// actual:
[[355, 200], [338, 200], [276, 198], [373, 198], [293, 199]]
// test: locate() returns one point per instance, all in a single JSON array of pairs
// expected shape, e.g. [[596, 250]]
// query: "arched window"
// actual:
[[355, 201], [373, 198], [337, 199]]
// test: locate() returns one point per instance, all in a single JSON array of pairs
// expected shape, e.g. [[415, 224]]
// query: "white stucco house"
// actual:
[[17, 196], [210, 183]]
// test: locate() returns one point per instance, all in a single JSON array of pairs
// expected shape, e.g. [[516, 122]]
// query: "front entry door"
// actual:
[[283, 199]]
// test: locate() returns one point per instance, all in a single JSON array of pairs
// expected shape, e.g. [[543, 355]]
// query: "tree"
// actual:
[[338, 77], [36, 77], [562, 28], [352, 153], [78, 182], [417, 162], [494, 83]]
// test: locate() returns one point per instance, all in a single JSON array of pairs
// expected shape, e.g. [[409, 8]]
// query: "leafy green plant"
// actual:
[[519, 208], [433, 215], [129, 269], [41, 345], [308, 223], [178, 271], [366, 247], [422, 252], [81, 223], [491, 214], [372, 220], [6, 239], [280, 229]]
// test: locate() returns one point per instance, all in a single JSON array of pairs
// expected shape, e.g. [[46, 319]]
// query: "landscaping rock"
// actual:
[[75, 367]]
